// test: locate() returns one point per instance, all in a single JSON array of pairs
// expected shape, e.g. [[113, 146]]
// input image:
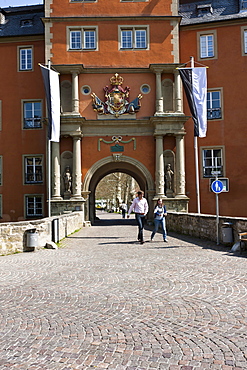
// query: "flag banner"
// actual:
[[195, 87], [52, 91]]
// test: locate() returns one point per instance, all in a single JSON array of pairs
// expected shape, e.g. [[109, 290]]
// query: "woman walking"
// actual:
[[159, 219]]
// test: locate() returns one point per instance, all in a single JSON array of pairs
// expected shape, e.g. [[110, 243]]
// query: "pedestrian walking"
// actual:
[[159, 219], [140, 207], [124, 209]]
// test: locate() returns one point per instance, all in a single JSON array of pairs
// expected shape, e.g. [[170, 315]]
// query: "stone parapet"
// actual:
[[204, 226], [14, 235]]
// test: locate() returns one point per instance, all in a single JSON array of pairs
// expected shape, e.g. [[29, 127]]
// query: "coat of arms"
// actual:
[[116, 99]]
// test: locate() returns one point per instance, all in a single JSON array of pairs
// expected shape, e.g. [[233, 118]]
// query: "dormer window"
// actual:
[[204, 9], [2, 18], [243, 5], [26, 23]]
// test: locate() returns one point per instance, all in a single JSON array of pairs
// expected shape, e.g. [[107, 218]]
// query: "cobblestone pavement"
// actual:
[[105, 301]]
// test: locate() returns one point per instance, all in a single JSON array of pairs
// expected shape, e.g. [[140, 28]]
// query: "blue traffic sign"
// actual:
[[217, 186]]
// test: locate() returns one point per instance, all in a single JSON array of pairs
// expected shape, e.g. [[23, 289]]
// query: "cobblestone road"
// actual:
[[104, 301]]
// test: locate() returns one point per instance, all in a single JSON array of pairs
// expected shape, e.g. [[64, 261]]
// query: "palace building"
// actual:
[[122, 103]]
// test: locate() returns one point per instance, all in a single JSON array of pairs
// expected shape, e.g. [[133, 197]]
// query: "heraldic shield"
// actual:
[[116, 99]]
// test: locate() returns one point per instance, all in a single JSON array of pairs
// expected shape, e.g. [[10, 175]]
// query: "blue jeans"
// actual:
[[157, 223], [140, 222]]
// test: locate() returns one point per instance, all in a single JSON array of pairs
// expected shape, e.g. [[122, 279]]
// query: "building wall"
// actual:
[[226, 71], [15, 142]]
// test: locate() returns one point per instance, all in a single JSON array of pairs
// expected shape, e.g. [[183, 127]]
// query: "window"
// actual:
[[32, 113], [26, 23], [25, 59], [134, 38], [0, 170], [34, 205], [244, 38], [145, 89], [0, 115], [131, 1], [207, 46], [83, 39], [243, 5], [214, 105], [33, 170], [212, 162]]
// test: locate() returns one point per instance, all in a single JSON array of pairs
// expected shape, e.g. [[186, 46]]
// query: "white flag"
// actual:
[[52, 90]]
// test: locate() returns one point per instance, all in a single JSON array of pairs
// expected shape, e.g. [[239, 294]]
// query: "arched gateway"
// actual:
[[120, 133], [111, 164]]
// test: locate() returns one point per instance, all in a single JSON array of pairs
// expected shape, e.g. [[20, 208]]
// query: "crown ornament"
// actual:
[[116, 80]]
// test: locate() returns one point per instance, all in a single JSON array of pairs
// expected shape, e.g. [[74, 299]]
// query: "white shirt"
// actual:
[[139, 206]]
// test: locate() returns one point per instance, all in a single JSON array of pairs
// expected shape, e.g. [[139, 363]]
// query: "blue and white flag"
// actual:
[[195, 87], [52, 91]]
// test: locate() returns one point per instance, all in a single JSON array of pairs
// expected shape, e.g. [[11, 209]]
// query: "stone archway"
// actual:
[[115, 163]]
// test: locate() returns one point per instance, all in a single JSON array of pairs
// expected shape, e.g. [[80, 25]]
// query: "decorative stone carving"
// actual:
[[169, 177], [67, 180], [116, 99]]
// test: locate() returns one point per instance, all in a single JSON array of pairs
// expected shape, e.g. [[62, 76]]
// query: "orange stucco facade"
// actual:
[[154, 131], [227, 73]]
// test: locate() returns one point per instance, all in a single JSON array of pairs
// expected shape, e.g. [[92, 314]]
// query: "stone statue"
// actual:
[[169, 176], [67, 180]]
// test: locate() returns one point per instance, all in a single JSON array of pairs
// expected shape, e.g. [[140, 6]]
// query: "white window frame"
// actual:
[[82, 31], [83, 1], [37, 198], [20, 50], [0, 115], [1, 170], [214, 163], [134, 1], [32, 173], [243, 5], [214, 113], [206, 48], [133, 29], [203, 37], [244, 40], [34, 122]]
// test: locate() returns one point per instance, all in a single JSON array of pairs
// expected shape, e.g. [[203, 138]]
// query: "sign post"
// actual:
[[217, 187]]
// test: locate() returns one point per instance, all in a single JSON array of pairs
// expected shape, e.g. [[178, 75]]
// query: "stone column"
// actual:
[[159, 173], [75, 93], [76, 178], [178, 92], [159, 97], [56, 171], [180, 167]]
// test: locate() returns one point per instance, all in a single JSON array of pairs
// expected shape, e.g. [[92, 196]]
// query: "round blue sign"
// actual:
[[217, 186]]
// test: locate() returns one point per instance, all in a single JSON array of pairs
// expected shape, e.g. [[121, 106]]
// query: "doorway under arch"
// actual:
[[112, 164]]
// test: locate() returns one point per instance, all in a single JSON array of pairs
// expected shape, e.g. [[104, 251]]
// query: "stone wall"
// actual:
[[15, 236], [204, 226]]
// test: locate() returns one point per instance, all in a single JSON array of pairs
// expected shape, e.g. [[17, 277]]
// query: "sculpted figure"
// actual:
[[67, 179], [169, 175]]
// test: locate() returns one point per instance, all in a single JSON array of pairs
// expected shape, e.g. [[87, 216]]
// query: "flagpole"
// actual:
[[49, 165], [196, 160]]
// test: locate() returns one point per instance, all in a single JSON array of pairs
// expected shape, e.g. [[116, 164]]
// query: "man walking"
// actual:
[[140, 207]]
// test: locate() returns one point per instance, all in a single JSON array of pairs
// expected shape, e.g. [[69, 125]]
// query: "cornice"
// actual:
[[113, 17], [12, 39], [213, 24], [79, 68]]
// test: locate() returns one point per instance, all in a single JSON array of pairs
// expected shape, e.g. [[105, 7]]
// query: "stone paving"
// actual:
[[104, 301]]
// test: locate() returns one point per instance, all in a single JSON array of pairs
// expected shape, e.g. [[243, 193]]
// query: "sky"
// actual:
[[6, 3]]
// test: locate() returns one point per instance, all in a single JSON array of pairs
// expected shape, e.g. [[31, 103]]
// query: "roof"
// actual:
[[195, 12], [21, 21]]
